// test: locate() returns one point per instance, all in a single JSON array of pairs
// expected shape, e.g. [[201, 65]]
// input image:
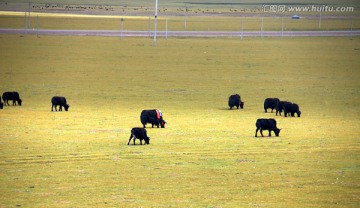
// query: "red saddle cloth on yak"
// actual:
[[158, 113]]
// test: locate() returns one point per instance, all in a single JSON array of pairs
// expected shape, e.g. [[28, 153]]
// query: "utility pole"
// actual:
[[156, 13], [185, 17], [320, 20]]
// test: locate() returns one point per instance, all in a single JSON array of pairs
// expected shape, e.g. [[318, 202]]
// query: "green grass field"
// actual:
[[207, 156]]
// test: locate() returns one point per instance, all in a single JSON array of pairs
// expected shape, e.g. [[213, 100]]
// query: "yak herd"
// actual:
[[154, 117]]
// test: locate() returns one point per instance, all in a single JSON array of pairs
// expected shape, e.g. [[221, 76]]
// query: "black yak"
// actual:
[[280, 107], [266, 124], [235, 100], [14, 96], [61, 101], [291, 108], [139, 133], [270, 103], [154, 117]]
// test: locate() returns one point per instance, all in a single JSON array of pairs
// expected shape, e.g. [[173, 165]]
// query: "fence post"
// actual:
[[242, 29], [262, 26], [351, 28], [37, 26], [121, 28], [166, 29], [282, 27], [319, 20], [29, 23], [149, 28], [25, 26]]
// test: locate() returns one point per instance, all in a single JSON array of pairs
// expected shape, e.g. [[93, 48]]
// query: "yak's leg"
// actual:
[[261, 133], [269, 133], [134, 138], [257, 129], [130, 138]]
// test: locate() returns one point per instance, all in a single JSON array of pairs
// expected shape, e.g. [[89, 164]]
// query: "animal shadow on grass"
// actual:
[[223, 108], [228, 109], [266, 134]]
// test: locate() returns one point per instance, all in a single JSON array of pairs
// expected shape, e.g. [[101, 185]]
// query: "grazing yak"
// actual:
[[154, 117], [235, 100], [280, 107], [291, 108], [61, 101], [14, 96], [270, 103], [266, 124], [139, 133]]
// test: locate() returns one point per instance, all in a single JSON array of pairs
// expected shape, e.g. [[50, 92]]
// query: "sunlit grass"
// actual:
[[207, 156]]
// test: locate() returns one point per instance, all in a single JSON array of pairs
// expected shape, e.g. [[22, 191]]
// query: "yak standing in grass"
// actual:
[[139, 133], [61, 101], [235, 100], [14, 96], [270, 103], [280, 107], [291, 108], [154, 117], [266, 124]]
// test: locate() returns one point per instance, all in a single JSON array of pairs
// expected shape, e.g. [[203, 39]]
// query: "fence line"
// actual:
[[172, 26], [164, 34]]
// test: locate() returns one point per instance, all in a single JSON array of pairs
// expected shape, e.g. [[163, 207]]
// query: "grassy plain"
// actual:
[[174, 23], [207, 156]]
